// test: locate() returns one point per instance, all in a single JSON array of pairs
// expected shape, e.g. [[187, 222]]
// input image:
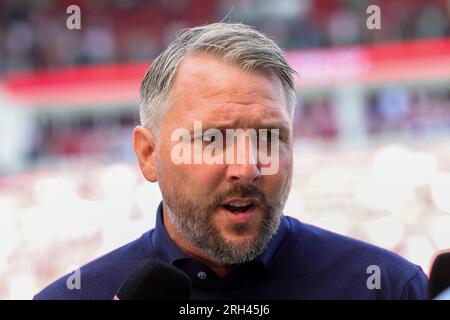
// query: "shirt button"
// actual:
[[201, 275]]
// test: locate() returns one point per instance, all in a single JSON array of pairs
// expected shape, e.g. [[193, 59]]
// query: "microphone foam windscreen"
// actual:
[[155, 280], [439, 275]]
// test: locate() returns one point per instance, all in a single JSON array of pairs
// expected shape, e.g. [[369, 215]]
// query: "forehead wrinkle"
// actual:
[[227, 111], [234, 118], [236, 95]]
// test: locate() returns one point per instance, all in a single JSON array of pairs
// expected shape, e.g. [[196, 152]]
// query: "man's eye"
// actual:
[[271, 136], [210, 138]]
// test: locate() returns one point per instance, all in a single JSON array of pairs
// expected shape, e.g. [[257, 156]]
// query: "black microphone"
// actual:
[[155, 280], [439, 276]]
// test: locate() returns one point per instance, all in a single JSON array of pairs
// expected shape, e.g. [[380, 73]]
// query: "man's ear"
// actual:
[[144, 144]]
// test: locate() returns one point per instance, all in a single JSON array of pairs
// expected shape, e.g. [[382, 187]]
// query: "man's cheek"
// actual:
[[281, 180], [285, 165]]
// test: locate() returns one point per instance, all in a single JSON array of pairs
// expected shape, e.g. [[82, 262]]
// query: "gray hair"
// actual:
[[232, 42]]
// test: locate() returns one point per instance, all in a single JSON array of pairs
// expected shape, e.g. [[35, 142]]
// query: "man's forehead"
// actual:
[[205, 76]]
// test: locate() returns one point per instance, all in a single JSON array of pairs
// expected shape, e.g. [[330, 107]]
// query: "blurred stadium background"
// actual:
[[372, 126]]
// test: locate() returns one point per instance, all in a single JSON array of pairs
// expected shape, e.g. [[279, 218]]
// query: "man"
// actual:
[[221, 222]]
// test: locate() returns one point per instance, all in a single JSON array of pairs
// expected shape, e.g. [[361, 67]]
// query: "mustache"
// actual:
[[243, 191]]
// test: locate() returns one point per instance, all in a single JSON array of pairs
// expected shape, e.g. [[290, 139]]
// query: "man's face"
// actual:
[[202, 198]]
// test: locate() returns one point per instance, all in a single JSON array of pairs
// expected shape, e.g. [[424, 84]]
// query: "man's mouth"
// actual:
[[240, 210], [238, 206]]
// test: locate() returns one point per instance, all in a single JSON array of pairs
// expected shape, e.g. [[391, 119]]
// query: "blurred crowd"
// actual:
[[416, 111], [103, 137], [33, 34], [389, 110]]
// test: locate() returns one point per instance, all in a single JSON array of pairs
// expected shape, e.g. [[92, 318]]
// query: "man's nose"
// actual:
[[244, 167], [243, 173]]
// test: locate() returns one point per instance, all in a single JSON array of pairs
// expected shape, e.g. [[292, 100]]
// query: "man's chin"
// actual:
[[247, 217], [239, 236]]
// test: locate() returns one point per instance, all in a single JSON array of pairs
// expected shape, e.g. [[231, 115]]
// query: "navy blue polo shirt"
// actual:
[[300, 262]]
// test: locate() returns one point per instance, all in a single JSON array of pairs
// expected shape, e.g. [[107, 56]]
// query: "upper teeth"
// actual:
[[240, 203]]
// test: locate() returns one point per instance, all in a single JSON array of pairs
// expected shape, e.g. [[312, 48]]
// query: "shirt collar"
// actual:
[[167, 250]]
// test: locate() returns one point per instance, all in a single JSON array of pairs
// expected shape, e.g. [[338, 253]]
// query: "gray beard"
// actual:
[[195, 225]]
